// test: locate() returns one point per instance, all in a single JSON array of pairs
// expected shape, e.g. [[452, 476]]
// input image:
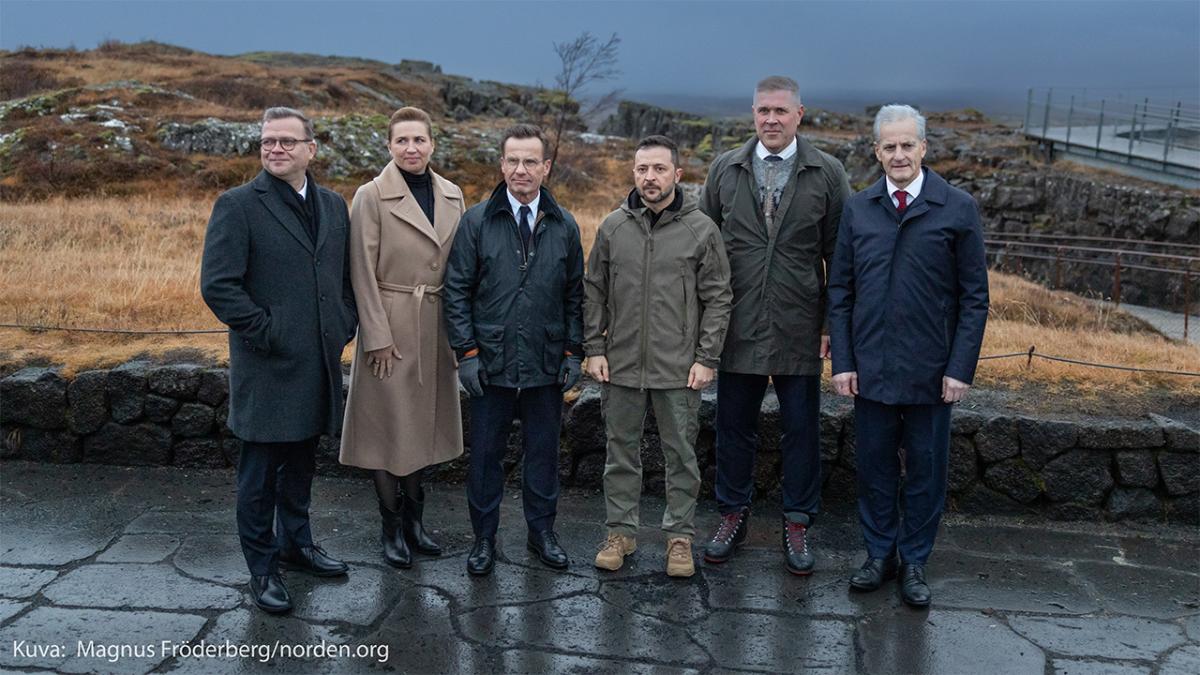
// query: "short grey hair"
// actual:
[[898, 112], [778, 83], [282, 113]]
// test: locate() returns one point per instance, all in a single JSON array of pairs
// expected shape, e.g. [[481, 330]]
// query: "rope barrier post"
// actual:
[[1029, 358], [1116, 294], [1187, 301], [1058, 268]]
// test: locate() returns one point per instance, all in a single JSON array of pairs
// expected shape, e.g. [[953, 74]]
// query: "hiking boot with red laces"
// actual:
[[730, 534], [796, 553]]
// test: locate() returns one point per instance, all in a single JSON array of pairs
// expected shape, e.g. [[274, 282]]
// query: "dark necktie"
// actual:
[[523, 226], [902, 201]]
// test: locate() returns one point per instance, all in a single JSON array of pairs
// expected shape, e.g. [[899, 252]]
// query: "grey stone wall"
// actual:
[[144, 414]]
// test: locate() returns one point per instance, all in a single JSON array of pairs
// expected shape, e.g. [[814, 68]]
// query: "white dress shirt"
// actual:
[[762, 151], [913, 189], [516, 208]]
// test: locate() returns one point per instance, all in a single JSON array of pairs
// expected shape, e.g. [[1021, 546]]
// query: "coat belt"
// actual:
[[418, 293]]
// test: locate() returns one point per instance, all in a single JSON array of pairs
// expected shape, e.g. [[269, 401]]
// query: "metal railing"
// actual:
[[1162, 135], [1057, 256]]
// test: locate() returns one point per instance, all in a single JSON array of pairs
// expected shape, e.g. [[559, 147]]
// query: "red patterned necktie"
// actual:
[[902, 198]]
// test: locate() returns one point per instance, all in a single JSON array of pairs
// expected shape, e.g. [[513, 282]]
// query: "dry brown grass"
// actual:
[[134, 263]]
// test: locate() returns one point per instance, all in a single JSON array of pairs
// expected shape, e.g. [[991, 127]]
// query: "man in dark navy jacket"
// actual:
[[908, 301], [513, 304]]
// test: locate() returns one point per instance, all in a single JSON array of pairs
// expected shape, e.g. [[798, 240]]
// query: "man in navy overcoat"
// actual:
[[908, 301], [275, 271]]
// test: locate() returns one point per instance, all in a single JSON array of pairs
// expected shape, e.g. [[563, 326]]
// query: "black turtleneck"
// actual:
[[421, 186]]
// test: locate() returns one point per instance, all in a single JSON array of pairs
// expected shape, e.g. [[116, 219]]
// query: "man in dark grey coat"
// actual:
[[275, 271], [777, 200], [908, 302]]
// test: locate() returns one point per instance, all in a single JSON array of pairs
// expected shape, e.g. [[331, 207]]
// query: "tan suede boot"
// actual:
[[612, 553], [679, 557]]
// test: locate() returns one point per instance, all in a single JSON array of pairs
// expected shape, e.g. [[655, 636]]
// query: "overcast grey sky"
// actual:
[[837, 50]]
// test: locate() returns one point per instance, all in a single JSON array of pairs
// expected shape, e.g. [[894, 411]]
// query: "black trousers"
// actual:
[[274, 486]]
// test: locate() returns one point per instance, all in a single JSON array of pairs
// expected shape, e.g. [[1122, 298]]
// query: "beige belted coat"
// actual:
[[412, 419]]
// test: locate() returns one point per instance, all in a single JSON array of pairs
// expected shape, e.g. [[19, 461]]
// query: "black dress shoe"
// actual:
[[482, 557], [730, 534], [312, 560], [270, 594], [545, 545], [873, 573], [797, 555], [913, 588], [395, 548]]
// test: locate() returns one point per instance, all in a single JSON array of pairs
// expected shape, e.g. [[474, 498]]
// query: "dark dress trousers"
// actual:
[[523, 313], [275, 271], [908, 302]]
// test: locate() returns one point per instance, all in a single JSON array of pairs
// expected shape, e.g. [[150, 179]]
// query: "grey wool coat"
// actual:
[[779, 271], [412, 419], [289, 307]]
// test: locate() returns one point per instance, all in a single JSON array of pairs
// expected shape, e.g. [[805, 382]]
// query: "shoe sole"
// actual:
[[272, 610], [799, 572], [479, 573], [398, 565], [678, 575], [918, 605], [548, 563]]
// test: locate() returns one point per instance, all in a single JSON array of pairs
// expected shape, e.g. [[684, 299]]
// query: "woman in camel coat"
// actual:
[[402, 413]]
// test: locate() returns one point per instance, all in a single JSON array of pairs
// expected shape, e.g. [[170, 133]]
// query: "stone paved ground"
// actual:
[[114, 558]]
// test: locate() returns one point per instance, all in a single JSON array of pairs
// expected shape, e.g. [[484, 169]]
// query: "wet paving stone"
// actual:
[[1182, 661], [1104, 637], [1026, 542], [959, 580], [132, 585], [527, 661], [140, 548], [222, 521], [10, 608], [1158, 553], [776, 643], [1191, 624], [1089, 667], [251, 627], [675, 600], [508, 583], [22, 582], [60, 631], [939, 641], [1142, 591], [215, 558], [32, 545], [421, 638], [759, 582], [583, 625], [359, 598]]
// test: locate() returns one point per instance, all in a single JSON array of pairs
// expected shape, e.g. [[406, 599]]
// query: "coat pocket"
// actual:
[[553, 352], [490, 340]]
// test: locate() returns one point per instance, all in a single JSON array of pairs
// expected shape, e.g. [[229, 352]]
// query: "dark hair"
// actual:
[[526, 131], [410, 114], [660, 141], [282, 113]]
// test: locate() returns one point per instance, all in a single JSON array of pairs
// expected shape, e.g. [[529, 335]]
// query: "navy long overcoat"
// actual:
[[908, 296]]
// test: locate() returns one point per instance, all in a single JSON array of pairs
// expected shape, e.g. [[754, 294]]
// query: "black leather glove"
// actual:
[[568, 373], [472, 376]]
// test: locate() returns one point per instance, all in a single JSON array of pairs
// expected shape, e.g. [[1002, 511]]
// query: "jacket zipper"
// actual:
[[648, 255]]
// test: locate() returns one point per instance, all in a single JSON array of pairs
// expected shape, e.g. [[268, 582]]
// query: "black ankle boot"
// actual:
[[395, 549], [411, 514]]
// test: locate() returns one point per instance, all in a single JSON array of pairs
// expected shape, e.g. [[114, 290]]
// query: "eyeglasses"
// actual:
[[529, 164], [285, 143]]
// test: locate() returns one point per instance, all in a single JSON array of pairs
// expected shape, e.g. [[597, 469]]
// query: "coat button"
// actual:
[[325, 333], [435, 267], [322, 297], [431, 298]]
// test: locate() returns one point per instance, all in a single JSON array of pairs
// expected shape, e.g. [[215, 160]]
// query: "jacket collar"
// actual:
[[935, 191], [806, 153], [393, 188], [498, 203], [264, 184]]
